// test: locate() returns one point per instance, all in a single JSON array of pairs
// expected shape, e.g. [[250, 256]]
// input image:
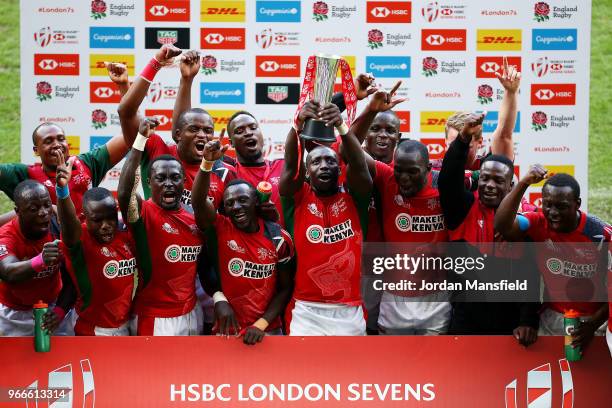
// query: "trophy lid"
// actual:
[[328, 56]]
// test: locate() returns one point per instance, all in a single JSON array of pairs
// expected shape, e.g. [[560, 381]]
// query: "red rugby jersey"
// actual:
[[248, 265], [418, 219], [328, 234], [104, 277], [269, 171], [565, 266], [156, 147], [44, 285], [167, 247]]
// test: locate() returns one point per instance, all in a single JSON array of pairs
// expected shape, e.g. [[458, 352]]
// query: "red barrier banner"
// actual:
[[442, 371]]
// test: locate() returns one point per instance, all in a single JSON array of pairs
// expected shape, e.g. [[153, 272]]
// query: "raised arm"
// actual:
[[68, 219], [190, 66], [118, 146], [358, 176], [203, 209], [502, 142], [131, 101], [129, 200], [506, 221], [381, 101], [290, 183], [456, 201]]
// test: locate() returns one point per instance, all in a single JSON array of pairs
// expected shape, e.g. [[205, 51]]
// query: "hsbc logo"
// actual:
[[435, 146], [222, 38], [159, 11], [277, 66], [164, 116], [553, 94], [389, 12], [487, 67], [56, 64], [48, 64], [380, 12], [104, 92], [443, 40], [164, 10]]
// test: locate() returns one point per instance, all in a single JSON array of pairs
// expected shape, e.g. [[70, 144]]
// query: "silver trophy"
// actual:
[[324, 79]]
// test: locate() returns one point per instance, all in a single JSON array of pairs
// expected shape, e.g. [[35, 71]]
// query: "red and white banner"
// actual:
[[444, 371]]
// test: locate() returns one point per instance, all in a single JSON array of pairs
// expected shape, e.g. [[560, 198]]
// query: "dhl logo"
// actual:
[[97, 66], [222, 11], [491, 40], [350, 60], [434, 121], [554, 169], [221, 118], [74, 145]]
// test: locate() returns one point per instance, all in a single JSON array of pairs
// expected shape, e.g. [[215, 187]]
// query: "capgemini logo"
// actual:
[[539, 387]]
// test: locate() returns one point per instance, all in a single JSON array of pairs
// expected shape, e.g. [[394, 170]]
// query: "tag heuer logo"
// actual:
[[167, 36], [278, 93]]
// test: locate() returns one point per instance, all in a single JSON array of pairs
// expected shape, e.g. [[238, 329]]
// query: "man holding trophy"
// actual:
[[327, 221]]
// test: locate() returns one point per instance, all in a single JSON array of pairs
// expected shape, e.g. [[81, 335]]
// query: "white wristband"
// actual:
[[140, 142], [219, 297], [342, 129]]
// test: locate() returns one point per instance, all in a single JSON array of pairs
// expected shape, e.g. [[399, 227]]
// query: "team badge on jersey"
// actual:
[[264, 253], [233, 245], [312, 207], [168, 228], [107, 252]]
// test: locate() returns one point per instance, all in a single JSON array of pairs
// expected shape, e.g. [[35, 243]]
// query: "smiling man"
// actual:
[[99, 258], [469, 218], [253, 256], [582, 251], [168, 243], [49, 141]]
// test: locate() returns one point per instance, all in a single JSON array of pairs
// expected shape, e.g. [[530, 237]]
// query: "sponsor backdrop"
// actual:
[[254, 55], [409, 371]]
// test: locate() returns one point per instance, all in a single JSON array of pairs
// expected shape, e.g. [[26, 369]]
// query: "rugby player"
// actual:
[[328, 224], [253, 256], [561, 221], [168, 243]]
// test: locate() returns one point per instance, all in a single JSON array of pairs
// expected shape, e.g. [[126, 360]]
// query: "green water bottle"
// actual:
[[264, 191], [571, 323], [42, 339]]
